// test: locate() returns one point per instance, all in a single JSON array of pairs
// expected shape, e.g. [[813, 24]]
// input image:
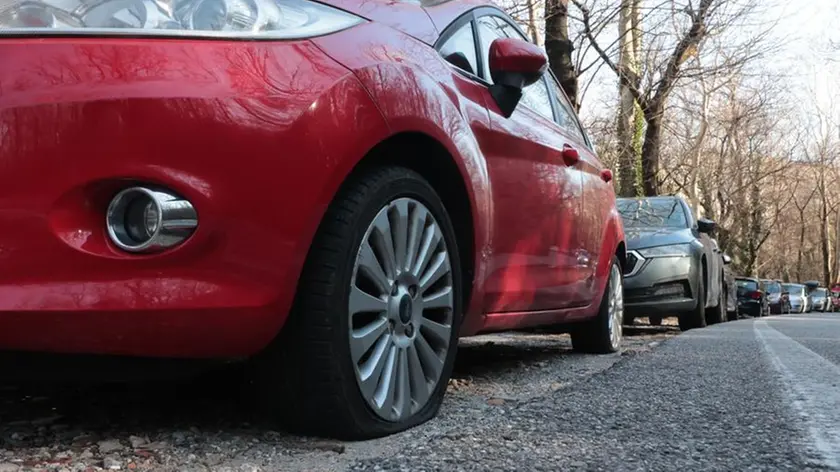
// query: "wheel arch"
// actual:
[[429, 158], [621, 254]]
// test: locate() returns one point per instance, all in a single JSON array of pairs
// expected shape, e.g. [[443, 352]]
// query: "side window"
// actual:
[[535, 96], [565, 115], [489, 30], [459, 50]]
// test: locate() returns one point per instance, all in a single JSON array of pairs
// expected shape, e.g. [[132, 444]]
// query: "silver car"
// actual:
[[799, 300], [820, 300]]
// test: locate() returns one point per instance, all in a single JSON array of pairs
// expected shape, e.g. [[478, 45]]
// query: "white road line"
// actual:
[[812, 384]]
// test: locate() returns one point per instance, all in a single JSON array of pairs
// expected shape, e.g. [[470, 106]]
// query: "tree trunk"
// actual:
[[650, 151], [801, 246], [755, 220], [628, 137], [559, 47], [532, 22], [826, 269]]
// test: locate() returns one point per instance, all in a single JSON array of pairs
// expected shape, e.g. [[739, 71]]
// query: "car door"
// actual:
[[536, 263], [713, 280], [598, 194]]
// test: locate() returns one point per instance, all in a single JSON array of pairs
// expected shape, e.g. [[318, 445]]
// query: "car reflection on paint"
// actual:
[[336, 190]]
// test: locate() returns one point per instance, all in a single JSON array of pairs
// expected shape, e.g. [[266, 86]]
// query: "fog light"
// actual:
[[142, 219]]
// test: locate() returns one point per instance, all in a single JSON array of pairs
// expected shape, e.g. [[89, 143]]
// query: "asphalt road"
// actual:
[[749, 395]]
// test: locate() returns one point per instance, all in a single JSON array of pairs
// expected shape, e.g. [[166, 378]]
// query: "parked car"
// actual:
[[341, 199], [730, 288], [835, 297], [820, 300], [778, 299], [752, 297], [673, 267], [799, 301]]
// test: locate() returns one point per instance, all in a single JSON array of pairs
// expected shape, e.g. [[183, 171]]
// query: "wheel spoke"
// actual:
[[403, 402], [362, 302], [415, 235], [399, 226], [437, 269], [386, 390], [432, 364], [438, 332], [431, 239], [419, 383], [371, 372], [383, 241], [370, 267], [363, 339], [439, 299]]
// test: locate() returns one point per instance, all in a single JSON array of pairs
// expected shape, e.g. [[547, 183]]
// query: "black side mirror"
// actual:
[[705, 225], [727, 259], [514, 65]]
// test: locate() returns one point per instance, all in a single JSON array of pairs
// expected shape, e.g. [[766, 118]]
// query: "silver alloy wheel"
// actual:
[[615, 307], [401, 308]]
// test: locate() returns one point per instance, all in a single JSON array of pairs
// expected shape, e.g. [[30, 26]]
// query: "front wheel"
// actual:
[[370, 344], [603, 334], [717, 314], [695, 318]]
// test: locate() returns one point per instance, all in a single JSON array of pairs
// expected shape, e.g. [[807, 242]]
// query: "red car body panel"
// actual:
[[256, 135], [227, 124]]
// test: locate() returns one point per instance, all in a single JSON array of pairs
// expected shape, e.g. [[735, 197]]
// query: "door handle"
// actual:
[[571, 156], [606, 175]]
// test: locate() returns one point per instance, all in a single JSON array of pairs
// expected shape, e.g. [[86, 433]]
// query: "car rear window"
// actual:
[[773, 287], [745, 285]]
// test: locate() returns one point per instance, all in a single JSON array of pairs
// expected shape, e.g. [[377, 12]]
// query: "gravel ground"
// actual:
[[58, 424]]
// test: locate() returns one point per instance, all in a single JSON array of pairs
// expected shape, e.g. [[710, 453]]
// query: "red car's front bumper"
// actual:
[[254, 134]]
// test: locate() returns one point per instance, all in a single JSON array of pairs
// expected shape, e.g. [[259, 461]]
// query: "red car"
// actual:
[[337, 190]]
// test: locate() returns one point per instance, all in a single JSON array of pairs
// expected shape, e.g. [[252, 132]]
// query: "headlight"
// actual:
[[247, 19], [673, 250]]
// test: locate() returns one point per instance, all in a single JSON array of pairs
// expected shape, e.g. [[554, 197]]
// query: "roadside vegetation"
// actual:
[[709, 99]]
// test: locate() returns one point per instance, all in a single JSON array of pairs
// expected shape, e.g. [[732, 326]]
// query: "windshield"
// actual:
[[652, 213], [820, 293]]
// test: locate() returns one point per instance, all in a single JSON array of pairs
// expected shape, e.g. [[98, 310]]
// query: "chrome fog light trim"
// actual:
[[144, 219]]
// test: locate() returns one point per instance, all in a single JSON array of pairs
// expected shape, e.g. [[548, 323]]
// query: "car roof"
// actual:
[[657, 197], [444, 12]]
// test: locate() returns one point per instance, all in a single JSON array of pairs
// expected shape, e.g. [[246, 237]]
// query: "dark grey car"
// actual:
[[674, 268]]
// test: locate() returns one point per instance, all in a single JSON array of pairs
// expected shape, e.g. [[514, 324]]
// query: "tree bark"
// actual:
[[626, 130], [826, 268], [650, 151], [559, 47], [801, 246], [532, 22]]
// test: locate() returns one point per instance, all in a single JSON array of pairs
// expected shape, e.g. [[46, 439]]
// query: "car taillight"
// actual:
[[755, 295], [244, 19]]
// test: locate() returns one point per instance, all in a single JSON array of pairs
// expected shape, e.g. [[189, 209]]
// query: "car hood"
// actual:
[[638, 238], [407, 17]]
